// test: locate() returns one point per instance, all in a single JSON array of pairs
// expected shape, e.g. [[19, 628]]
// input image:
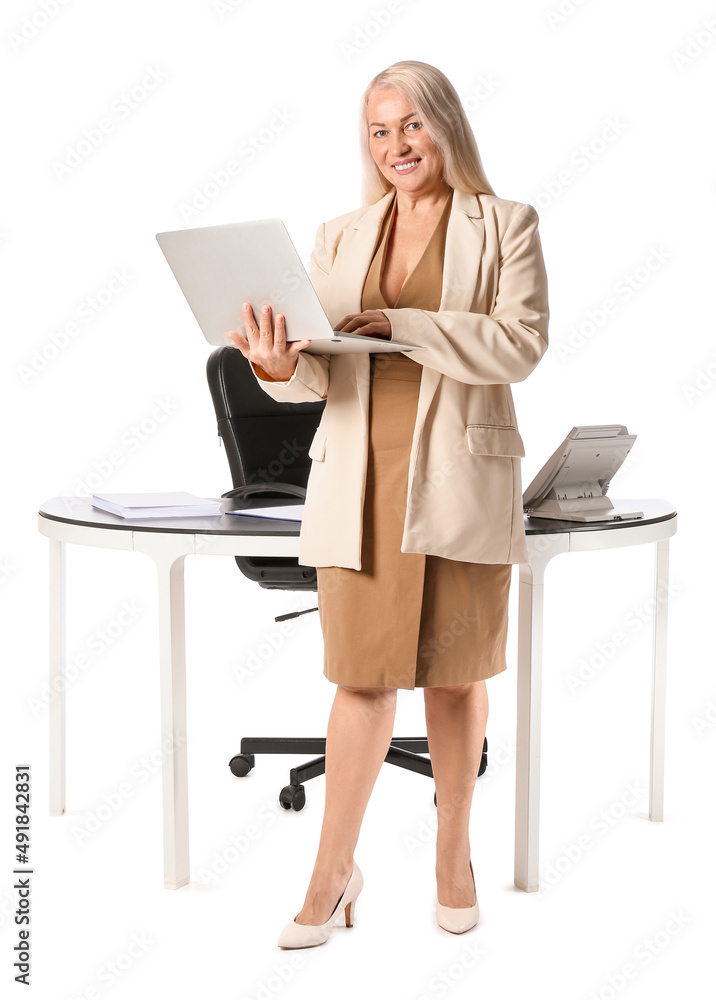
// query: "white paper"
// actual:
[[176, 499], [292, 513]]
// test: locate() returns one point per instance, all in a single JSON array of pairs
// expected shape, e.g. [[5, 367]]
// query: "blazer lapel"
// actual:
[[464, 243], [345, 290], [350, 267]]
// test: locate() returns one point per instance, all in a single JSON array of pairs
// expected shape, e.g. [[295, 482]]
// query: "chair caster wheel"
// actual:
[[293, 797], [241, 764]]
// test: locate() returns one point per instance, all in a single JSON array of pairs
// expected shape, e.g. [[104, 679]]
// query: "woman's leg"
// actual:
[[360, 728], [456, 718]]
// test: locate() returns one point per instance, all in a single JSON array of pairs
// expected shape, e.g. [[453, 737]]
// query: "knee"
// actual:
[[455, 690], [374, 692]]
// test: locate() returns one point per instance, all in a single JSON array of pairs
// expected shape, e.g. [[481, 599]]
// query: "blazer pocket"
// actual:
[[317, 451], [491, 439]]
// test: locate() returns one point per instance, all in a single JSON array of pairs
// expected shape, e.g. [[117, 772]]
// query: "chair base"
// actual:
[[403, 752]]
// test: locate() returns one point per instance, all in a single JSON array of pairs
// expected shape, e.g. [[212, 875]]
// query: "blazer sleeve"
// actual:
[[309, 382], [482, 349]]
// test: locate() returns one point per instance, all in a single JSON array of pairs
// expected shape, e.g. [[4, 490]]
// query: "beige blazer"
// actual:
[[464, 494]]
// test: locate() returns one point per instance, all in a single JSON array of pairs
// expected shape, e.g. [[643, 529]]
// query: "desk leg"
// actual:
[[658, 683], [529, 701], [57, 677], [172, 667]]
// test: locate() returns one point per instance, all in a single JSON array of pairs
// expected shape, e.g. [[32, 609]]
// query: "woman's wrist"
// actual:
[[265, 377]]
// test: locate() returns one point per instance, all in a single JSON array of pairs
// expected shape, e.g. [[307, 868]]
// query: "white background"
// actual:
[[634, 87]]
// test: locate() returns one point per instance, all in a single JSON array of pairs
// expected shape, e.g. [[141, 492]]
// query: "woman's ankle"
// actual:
[[329, 869], [452, 851]]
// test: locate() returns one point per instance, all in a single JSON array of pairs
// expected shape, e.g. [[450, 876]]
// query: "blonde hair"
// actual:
[[436, 102]]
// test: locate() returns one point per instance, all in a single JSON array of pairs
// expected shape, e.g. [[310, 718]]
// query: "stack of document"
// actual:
[[144, 505], [289, 512]]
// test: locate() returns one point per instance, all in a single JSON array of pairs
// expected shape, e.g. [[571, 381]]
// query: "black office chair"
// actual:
[[267, 447]]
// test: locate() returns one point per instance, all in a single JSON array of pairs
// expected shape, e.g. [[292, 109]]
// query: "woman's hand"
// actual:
[[371, 322], [267, 347]]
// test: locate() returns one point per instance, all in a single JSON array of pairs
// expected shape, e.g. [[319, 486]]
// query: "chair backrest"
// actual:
[[267, 446]]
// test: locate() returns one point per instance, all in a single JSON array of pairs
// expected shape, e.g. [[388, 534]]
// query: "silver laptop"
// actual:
[[218, 268]]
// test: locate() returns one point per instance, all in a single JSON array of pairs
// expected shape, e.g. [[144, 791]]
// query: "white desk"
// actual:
[[545, 540], [73, 520]]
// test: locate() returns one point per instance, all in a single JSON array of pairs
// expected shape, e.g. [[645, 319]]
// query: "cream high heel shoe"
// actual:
[[459, 918], [308, 935]]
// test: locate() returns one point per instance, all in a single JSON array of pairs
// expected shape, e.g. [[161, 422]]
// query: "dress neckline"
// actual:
[[386, 238]]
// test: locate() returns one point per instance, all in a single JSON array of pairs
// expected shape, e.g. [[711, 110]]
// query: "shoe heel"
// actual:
[[349, 920]]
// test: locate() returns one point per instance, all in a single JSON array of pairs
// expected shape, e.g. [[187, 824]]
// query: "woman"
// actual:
[[413, 513]]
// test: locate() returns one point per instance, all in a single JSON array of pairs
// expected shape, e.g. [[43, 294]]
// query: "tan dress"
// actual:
[[406, 619]]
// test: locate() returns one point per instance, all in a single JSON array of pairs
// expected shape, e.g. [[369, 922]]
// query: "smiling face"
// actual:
[[401, 147]]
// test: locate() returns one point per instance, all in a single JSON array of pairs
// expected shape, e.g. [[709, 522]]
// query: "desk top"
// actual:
[[79, 510], [654, 510]]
